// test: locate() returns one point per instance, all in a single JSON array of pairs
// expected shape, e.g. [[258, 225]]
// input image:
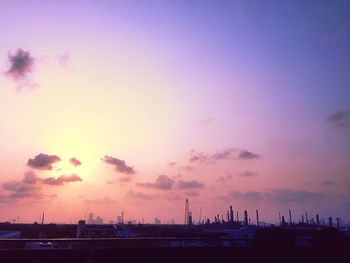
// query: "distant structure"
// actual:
[[330, 221], [157, 221], [317, 219], [290, 217], [245, 217], [231, 214], [257, 217], [92, 221], [188, 213]]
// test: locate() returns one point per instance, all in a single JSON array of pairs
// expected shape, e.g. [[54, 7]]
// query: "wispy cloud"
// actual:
[[163, 182], [187, 168], [339, 118], [227, 154], [282, 195], [246, 155], [64, 60], [43, 161], [61, 180], [190, 184], [139, 195], [208, 120], [192, 193], [276, 196], [250, 196], [224, 179], [119, 165], [248, 173]]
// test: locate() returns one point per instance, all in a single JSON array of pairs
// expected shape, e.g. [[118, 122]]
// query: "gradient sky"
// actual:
[[242, 103]]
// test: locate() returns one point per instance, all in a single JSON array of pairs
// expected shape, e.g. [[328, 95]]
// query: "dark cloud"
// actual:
[[75, 162], [246, 155], [339, 118], [163, 182], [139, 195], [30, 186], [103, 201], [224, 179], [248, 174], [30, 178], [120, 165], [190, 184], [21, 65], [61, 180], [228, 154], [198, 157], [19, 189], [43, 161]]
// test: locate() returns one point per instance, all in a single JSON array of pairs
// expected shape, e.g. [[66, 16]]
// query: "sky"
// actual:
[[134, 106]]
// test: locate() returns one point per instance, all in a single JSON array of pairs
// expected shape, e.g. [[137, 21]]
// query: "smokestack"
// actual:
[[42, 219], [290, 217], [245, 217], [279, 217], [228, 216], [283, 221], [257, 217], [237, 217], [231, 214], [302, 219], [307, 221], [317, 219]]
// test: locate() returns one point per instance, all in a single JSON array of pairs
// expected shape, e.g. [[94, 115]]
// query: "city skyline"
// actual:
[[111, 106]]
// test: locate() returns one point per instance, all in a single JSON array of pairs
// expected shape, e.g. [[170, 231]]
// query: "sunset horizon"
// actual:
[[111, 107]]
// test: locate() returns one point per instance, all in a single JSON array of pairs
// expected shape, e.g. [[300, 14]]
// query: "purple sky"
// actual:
[[222, 102]]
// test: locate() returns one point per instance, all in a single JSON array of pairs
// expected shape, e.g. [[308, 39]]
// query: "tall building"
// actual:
[[91, 218]]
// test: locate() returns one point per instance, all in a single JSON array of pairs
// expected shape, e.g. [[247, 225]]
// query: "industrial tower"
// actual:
[[188, 214]]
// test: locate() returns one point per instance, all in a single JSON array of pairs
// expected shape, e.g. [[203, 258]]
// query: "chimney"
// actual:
[[245, 217], [231, 214], [290, 217], [302, 219], [283, 221], [279, 217], [317, 219], [42, 219], [257, 217], [307, 221]]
